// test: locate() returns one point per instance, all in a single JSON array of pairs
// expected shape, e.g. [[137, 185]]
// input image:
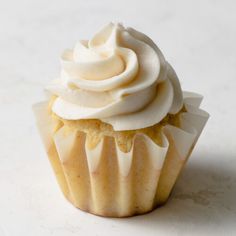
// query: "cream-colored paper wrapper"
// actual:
[[108, 182]]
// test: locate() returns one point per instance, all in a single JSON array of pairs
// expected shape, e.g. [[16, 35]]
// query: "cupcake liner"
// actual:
[[109, 182]]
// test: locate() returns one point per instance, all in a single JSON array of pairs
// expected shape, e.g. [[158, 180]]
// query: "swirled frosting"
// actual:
[[120, 77]]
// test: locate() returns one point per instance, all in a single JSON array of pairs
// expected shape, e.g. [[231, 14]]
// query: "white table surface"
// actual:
[[199, 40]]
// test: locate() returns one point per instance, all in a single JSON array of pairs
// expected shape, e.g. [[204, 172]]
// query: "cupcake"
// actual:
[[117, 128]]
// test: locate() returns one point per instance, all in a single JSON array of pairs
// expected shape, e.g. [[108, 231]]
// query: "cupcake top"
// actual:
[[119, 77]]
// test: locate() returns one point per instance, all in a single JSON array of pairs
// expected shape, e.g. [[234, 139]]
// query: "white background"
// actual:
[[197, 37]]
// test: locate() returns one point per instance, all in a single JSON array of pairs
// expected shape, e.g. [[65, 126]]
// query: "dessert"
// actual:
[[118, 128]]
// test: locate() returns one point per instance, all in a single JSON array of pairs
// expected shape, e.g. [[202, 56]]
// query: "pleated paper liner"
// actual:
[[109, 182]]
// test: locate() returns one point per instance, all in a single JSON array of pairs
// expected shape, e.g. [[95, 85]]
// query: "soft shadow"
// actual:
[[205, 194]]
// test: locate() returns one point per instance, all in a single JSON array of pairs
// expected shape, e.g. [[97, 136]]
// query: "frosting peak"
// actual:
[[120, 77]]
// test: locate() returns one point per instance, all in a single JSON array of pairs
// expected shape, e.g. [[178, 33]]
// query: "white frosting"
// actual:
[[120, 77]]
